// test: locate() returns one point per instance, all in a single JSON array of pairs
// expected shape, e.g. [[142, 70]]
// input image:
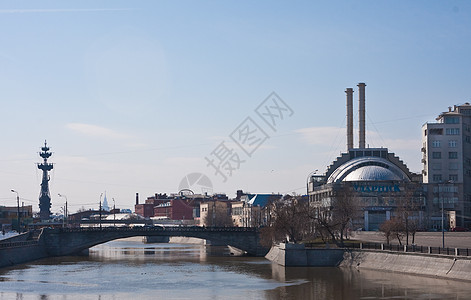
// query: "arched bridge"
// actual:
[[69, 241]]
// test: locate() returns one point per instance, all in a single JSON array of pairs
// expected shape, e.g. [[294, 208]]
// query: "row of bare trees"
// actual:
[[405, 222], [293, 219], [288, 221]]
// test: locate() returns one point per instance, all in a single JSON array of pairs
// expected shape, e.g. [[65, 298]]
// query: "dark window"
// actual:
[[453, 155], [436, 155], [436, 131]]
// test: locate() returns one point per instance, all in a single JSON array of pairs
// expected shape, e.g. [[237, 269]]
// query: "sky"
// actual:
[[154, 96]]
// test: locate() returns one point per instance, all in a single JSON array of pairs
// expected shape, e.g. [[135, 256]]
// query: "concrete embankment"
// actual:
[[443, 266], [20, 249], [295, 255], [411, 263], [21, 252]]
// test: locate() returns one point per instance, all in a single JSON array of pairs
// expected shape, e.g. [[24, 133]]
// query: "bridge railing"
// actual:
[[413, 249], [18, 244], [159, 229]]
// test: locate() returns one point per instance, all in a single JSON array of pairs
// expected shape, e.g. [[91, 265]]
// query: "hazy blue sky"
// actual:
[[133, 95]]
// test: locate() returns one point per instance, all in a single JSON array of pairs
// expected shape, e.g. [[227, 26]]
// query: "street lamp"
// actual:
[[18, 207], [114, 213], [307, 180], [100, 208], [443, 188], [66, 215]]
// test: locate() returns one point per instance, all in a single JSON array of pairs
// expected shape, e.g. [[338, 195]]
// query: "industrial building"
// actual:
[[374, 178]]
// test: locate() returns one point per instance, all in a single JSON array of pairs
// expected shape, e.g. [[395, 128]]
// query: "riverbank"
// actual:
[[432, 265], [445, 266]]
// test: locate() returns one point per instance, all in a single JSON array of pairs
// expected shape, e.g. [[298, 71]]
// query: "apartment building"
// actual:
[[446, 159]]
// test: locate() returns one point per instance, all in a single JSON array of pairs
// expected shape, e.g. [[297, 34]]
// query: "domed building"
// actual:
[[374, 179], [368, 168]]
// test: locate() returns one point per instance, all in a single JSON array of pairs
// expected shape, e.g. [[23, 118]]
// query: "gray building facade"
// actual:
[[446, 161]]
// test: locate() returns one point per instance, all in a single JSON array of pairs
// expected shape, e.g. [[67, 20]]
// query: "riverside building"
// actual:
[[376, 180], [446, 159]]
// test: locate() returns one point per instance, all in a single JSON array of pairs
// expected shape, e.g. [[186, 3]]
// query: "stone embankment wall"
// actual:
[[295, 255], [22, 253], [443, 266], [20, 249], [410, 263]]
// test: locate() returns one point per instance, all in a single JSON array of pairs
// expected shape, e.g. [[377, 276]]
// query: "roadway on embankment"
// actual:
[[433, 239]]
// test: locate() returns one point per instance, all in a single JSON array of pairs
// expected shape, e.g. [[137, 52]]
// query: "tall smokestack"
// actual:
[[361, 115], [349, 92], [137, 198]]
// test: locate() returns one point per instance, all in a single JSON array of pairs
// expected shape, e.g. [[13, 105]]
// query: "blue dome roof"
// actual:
[[368, 169]]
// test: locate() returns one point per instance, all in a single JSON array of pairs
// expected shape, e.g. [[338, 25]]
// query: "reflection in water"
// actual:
[[335, 283], [129, 269]]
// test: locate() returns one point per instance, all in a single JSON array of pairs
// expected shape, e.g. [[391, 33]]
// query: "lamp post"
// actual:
[[66, 215], [307, 180], [18, 207], [114, 213], [442, 201], [443, 222], [214, 213], [100, 208]]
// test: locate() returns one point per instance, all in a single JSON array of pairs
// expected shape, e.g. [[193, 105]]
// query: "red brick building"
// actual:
[[174, 206], [175, 209], [144, 210]]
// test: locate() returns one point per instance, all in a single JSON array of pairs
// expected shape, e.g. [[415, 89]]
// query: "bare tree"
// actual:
[[393, 228], [412, 228], [387, 229], [335, 219], [407, 210], [218, 216], [288, 220]]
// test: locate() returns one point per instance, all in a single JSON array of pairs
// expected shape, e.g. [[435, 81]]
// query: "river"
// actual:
[[129, 269]]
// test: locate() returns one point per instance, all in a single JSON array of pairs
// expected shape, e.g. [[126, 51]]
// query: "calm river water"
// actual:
[[129, 269]]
